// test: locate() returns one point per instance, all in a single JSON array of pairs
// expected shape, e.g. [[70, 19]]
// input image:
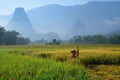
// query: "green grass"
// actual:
[[53, 62], [19, 67]]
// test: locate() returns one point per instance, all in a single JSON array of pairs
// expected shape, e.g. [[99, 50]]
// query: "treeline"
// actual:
[[102, 39], [43, 41], [11, 37]]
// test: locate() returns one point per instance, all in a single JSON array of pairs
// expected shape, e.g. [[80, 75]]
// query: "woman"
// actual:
[[73, 53]]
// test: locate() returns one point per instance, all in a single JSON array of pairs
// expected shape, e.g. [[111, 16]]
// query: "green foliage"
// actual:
[[53, 62], [102, 59], [21, 40], [2, 32], [99, 39], [114, 39], [18, 67], [43, 55], [88, 39], [11, 37], [77, 39]]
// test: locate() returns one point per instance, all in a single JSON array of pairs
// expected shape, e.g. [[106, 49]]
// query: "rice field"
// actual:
[[53, 62]]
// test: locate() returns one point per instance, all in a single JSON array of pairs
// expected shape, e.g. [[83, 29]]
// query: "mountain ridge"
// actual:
[[97, 17], [92, 15], [21, 23]]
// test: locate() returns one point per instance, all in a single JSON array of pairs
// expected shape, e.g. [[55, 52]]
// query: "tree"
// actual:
[[88, 39], [21, 40], [114, 39], [54, 41], [11, 37], [77, 39], [99, 39], [2, 32]]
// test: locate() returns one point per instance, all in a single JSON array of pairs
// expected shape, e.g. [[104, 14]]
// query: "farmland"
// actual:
[[53, 62]]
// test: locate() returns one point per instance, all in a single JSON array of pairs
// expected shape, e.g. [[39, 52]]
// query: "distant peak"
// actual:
[[19, 9]]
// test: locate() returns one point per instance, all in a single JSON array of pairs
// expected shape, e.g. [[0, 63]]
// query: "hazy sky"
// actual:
[[8, 6]]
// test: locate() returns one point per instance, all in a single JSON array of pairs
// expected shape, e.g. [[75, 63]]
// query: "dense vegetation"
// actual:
[[53, 62], [113, 39], [16, 65], [11, 37]]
